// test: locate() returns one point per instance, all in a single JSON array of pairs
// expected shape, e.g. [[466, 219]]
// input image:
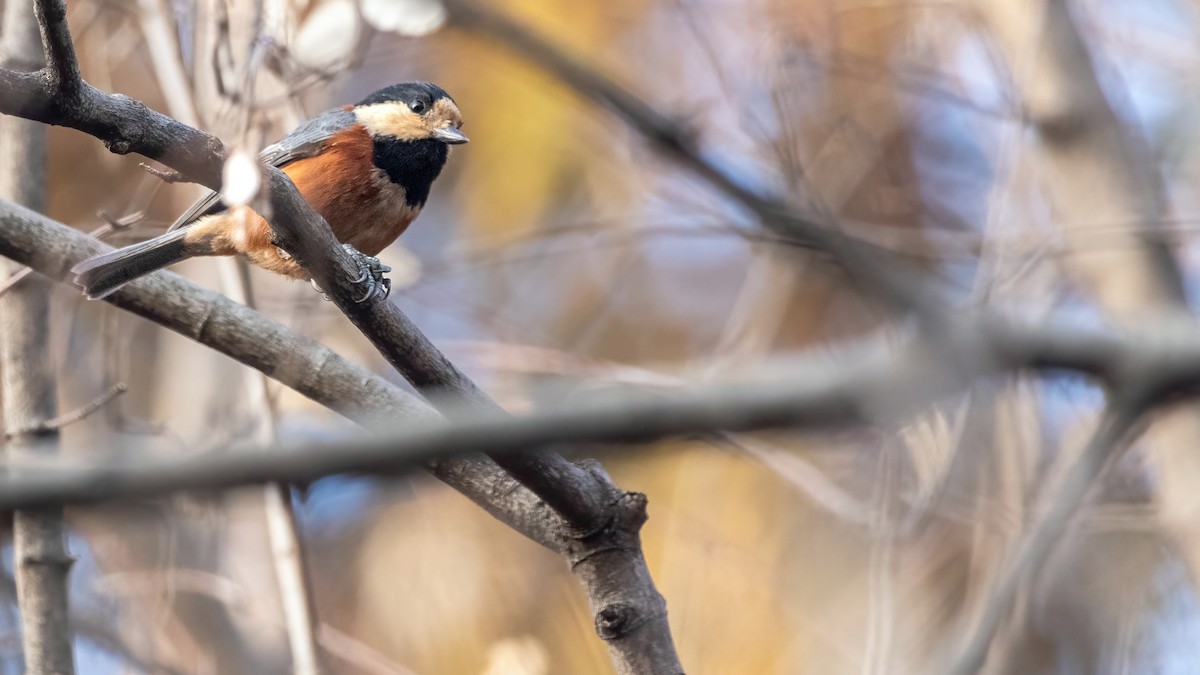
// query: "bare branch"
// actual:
[[165, 176], [1095, 168], [111, 225], [122, 123], [858, 388], [83, 412], [62, 68], [27, 387], [1061, 502], [813, 396], [292, 579]]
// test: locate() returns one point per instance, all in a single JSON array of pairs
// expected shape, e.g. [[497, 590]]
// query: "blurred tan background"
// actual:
[[1034, 159]]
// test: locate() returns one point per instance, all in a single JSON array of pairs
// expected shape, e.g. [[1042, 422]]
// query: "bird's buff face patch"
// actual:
[[397, 120]]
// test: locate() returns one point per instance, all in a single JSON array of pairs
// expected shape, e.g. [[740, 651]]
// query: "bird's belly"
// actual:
[[371, 240], [371, 217]]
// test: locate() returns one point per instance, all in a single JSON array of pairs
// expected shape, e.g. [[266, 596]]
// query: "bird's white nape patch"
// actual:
[[328, 35], [394, 119]]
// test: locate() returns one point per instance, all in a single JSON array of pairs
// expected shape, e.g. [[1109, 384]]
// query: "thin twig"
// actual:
[[360, 655], [85, 410], [14, 279], [1060, 504], [112, 224], [165, 176]]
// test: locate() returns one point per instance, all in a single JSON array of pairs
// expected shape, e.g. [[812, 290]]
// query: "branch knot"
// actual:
[[619, 619], [119, 146]]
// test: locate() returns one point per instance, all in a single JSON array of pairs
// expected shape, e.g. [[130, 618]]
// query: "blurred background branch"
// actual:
[[27, 383]]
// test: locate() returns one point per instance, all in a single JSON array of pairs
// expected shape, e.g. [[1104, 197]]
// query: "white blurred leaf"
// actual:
[[931, 441], [406, 17], [328, 35], [241, 178], [517, 656]]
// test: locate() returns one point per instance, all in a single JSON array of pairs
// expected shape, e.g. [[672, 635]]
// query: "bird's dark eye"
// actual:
[[416, 105]]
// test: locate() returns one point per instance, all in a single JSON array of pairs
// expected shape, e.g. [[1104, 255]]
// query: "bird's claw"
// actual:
[[370, 274], [371, 271], [318, 289]]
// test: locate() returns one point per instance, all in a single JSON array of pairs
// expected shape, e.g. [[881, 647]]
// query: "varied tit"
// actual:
[[367, 169]]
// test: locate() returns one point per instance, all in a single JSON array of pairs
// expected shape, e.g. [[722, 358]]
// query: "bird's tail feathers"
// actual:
[[103, 274]]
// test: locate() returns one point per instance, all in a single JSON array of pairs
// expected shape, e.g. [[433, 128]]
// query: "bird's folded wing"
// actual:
[[307, 140]]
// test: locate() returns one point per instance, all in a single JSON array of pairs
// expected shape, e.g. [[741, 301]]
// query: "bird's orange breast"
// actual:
[[363, 208]]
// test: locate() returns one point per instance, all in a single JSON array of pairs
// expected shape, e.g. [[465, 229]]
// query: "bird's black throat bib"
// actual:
[[413, 165]]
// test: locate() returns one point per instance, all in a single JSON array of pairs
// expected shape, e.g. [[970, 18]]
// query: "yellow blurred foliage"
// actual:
[[524, 125]]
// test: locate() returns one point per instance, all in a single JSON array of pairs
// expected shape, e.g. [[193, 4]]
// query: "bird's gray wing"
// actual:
[[309, 138], [305, 141]]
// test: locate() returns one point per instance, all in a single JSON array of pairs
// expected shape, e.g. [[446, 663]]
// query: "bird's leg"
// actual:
[[371, 274]]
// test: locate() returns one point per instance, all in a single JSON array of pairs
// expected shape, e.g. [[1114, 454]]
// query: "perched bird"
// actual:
[[367, 169]]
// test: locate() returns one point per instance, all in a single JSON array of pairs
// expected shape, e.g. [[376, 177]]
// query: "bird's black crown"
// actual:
[[406, 92]]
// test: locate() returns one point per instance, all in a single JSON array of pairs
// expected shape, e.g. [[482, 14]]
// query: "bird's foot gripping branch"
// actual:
[[372, 279]]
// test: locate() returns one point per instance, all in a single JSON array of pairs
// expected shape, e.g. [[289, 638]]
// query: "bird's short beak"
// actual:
[[450, 136]]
